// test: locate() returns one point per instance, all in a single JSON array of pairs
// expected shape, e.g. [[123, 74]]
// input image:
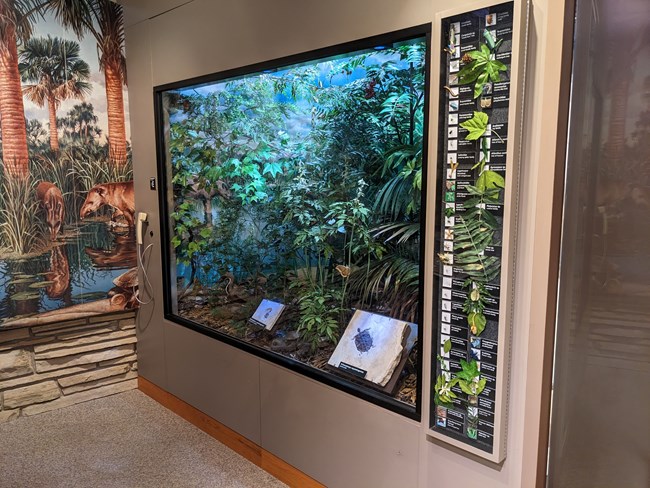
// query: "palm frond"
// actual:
[[403, 231], [394, 197], [21, 15], [36, 94], [72, 14], [54, 69], [398, 156], [393, 281], [471, 238]]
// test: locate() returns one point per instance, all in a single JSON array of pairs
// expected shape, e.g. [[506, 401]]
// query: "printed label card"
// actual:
[[267, 314]]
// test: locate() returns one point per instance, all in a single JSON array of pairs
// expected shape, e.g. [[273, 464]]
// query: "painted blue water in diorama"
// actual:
[[78, 269]]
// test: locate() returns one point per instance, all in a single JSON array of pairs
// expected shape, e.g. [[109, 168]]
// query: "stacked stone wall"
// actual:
[[47, 367]]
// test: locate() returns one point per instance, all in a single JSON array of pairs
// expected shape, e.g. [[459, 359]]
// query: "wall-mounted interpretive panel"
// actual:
[[477, 173]]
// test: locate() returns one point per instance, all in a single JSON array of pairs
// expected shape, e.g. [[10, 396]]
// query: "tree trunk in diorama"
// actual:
[[115, 110], [12, 113], [54, 133]]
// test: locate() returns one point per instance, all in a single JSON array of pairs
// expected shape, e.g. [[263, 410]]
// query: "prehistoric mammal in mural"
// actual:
[[119, 196], [66, 189], [51, 199]]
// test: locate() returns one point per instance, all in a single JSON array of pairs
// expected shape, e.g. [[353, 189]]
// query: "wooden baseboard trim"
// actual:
[[246, 448]]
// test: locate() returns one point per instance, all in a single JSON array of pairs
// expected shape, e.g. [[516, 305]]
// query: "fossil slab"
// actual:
[[371, 347]]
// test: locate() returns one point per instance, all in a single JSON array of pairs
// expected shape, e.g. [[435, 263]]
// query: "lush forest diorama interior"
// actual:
[[66, 158], [303, 185]]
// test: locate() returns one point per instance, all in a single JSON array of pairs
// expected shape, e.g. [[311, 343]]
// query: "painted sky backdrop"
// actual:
[[329, 74], [88, 52]]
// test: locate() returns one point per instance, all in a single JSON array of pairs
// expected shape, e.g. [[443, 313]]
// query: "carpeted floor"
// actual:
[[126, 440]]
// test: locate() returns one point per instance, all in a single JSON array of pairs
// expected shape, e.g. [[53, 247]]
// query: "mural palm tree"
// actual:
[[15, 24], [36, 135], [56, 72], [79, 124], [82, 118], [104, 20]]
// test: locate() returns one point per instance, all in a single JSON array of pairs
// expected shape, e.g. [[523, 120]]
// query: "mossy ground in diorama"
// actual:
[[304, 186]]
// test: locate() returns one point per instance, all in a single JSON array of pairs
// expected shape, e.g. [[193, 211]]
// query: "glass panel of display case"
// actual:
[[293, 211]]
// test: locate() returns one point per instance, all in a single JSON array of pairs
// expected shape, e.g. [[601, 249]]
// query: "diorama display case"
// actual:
[[293, 207], [479, 92]]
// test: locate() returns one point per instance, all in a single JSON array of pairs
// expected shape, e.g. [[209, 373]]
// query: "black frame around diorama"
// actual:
[[330, 379]]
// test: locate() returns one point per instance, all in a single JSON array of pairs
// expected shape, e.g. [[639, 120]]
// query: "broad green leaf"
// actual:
[[469, 370], [273, 168], [465, 386], [490, 179], [447, 345], [481, 386], [476, 322], [476, 126], [469, 73], [481, 80], [482, 69], [493, 67]]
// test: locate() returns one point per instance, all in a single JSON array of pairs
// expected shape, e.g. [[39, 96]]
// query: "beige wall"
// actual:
[[205, 36]]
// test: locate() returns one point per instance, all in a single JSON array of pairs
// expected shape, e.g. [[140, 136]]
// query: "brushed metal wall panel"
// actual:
[[340, 440]]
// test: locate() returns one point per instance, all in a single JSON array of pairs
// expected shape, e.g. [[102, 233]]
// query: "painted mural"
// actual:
[[67, 247]]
